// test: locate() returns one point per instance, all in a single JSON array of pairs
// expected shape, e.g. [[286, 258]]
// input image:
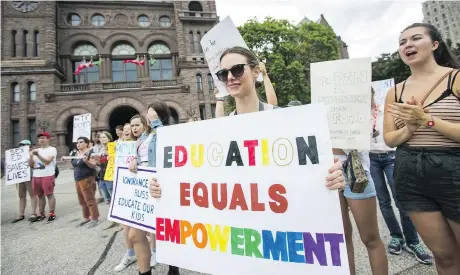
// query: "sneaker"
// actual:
[[153, 259], [38, 218], [173, 270], [125, 262], [83, 223], [420, 253], [396, 246], [32, 217], [51, 219], [93, 224], [18, 219]]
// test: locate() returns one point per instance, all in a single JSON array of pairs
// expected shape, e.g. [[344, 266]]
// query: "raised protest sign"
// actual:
[[381, 89], [248, 199], [17, 166], [214, 44], [131, 203], [81, 126], [109, 171], [345, 87]]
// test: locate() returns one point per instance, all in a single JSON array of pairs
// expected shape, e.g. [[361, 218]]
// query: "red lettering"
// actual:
[[200, 200], [251, 144], [160, 229], [238, 198], [222, 203], [172, 231], [279, 203], [185, 194], [255, 204], [178, 162]]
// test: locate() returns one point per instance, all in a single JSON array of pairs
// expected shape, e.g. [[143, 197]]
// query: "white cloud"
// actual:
[[370, 27]]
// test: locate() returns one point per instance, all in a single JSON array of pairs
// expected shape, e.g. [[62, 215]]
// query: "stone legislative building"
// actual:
[[45, 43]]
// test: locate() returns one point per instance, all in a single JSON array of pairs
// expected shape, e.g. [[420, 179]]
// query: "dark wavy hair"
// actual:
[[443, 55], [163, 112]]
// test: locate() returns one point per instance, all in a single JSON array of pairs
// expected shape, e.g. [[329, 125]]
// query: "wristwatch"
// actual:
[[430, 123], [220, 98]]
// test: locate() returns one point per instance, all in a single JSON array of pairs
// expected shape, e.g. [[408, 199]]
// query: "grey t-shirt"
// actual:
[[81, 170]]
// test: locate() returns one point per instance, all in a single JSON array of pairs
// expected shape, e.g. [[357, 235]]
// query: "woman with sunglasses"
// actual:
[[269, 92], [240, 69]]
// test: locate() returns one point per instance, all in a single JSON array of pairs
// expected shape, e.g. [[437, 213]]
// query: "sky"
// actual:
[[369, 27]]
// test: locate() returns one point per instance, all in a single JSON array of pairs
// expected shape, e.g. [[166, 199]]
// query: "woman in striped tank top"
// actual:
[[424, 125]]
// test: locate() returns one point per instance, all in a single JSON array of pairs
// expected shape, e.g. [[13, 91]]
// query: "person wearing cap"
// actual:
[[43, 163], [23, 189]]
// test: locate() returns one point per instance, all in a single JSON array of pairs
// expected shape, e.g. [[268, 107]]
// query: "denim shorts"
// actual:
[[369, 192], [428, 180]]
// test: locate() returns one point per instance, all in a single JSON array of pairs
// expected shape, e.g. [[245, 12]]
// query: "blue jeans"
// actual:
[[381, 166], [106, 187]]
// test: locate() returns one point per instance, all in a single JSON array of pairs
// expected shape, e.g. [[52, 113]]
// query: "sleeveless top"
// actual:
[[445, 107], [262, 107]]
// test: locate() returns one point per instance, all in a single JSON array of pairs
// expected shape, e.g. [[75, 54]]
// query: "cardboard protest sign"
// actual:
[[344, 86], [214, 43], [131, 203], [81, 126], [109, 171], [251, 200], [381, 89], [17, 166]]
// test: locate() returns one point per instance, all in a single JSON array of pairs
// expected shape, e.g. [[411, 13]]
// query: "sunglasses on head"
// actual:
[[237, 71]]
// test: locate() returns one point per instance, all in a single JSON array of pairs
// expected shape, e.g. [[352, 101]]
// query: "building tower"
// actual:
[[444, 15]]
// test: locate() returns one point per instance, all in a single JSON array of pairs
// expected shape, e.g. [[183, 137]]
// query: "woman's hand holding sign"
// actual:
[[334, 180]]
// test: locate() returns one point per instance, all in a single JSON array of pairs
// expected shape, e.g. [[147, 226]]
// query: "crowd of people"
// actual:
[[422, 175]]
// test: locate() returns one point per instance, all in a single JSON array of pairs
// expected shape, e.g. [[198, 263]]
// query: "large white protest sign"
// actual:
[[221, 37], [251, 200], [131, 202], [17, 166], [381, 89], [345, 87], [81, 126]]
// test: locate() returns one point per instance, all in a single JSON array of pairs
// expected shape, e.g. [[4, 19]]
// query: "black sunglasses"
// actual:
[[237, 71]]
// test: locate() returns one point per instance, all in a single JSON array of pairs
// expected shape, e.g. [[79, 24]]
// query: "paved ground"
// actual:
[[60, 248]]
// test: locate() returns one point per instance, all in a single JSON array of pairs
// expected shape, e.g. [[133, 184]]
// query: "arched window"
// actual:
[[143, 20], [191, 42], [198, 38], [13, 43], [165, 21], [161, 67], [15, 92], [36, 42], [195, 6], [25, 37], [74, 19], [32, 91], [210, 82], [98, 20], [122, 71], [199, 82], [85, 51]]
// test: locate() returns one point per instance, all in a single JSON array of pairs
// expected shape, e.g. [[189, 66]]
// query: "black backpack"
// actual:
[[56, 172]]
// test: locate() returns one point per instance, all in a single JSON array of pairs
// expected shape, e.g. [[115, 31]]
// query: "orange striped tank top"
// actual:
[[446, 107]]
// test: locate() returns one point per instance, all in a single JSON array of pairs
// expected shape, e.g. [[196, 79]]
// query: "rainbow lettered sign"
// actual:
[[248, 197]]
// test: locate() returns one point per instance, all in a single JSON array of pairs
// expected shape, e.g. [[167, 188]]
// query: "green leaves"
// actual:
[[288, 51]]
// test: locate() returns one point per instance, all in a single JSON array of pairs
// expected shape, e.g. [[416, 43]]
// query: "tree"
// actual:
[[390, 66], [288, 51]]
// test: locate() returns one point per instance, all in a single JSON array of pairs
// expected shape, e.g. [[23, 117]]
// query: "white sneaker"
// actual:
[[153, 259], [125, 262]]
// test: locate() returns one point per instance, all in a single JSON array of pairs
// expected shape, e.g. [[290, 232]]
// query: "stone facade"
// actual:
[[444, 15], [56, 29]]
